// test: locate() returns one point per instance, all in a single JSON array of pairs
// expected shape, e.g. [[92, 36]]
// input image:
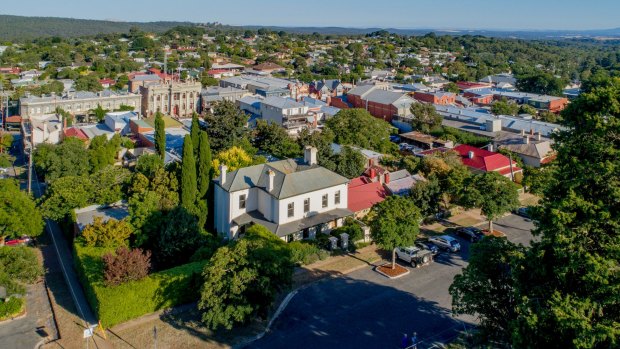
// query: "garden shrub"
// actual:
[[11, 307], [126, 265], [303, 253], [116, 304]]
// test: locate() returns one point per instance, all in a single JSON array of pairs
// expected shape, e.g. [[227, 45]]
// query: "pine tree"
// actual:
[[188, 175], [195, 132], [160, 135], [204, 165]]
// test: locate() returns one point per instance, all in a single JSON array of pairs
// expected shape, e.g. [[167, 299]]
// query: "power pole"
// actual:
[[30, 171]]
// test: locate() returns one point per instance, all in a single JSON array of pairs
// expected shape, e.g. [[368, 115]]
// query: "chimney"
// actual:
[[386, 178], [373, 174], [470, 154], [527, 139], [539, 136], [45, 131], [490, 147], [522, 132], [531, 131], [223, 169], [310, 155], [271, 176]]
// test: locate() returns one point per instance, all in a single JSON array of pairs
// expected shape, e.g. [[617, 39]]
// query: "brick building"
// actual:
[[380, 103]]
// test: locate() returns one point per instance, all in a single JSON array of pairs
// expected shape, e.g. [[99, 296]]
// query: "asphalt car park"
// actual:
[[367, 310]]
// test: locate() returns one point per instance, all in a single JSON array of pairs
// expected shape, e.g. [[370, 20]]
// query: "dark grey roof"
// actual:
[[292, 178], [281, 102]]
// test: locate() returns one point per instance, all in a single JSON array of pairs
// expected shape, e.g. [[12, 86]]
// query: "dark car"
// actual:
[[472, 234], [523, 212], [427, 245]]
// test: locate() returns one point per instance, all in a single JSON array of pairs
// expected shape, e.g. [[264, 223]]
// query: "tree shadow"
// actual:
[[352, 313]]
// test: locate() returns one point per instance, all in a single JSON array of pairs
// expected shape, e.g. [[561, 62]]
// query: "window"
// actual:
[[325, 198], [242, 201], [291, 209], [307, 205], [337, 197]]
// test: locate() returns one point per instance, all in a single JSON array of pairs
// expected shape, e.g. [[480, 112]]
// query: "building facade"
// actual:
[[77, 103], [294, 199], [176, 98]]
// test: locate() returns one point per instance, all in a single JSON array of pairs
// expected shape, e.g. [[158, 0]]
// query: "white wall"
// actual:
[[316, 202]]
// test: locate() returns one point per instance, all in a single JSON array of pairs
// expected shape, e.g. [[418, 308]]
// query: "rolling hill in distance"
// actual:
[[24, 28]]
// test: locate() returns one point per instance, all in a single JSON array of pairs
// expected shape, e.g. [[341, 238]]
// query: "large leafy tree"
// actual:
[[103, 151], [349, 162], [396, 223], [18, 213], [504, 107], [235, 158], [424, 117], [242, 279], [486, 286], [570, 284], [188, 175], [358, 128], [541, 82], [70, 158], [18, 266], [66, 194], [273, 139], [226, 125], [426, 195], [160, 135], [566, 286], [178, 238], [492, 193]]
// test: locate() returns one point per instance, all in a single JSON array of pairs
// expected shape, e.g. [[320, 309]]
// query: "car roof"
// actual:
[[448, 237]]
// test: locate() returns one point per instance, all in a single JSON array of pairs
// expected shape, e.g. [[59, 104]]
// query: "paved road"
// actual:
[[28, 331], [367, 310]]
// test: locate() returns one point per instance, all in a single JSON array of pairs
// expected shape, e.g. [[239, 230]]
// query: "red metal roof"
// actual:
[[363, 193], [76, 132], [482, 160]]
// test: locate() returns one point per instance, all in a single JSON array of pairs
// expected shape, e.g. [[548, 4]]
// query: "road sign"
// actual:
[[90, 331]]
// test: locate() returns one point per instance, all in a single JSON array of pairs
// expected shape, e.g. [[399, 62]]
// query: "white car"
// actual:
[[414, 255], [446, 242]]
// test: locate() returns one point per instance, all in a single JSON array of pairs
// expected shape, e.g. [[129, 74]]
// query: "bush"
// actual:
[[18, 266], [303, 253], [126, 265], [117, 304], [11, 308], [112, 233]]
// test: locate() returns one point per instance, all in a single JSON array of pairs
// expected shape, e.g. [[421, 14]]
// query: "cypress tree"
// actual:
[[188, 175], [204, 165], [195, 132], [160, 135]]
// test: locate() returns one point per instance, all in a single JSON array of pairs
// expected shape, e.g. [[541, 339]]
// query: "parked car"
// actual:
[[472, 234], [446, 242], [394, 138], [404, 146], [427, 245], [24, 240], [414, 255], [523, 212]]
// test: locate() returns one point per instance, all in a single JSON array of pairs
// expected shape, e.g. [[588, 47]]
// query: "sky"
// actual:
[[409, 14]]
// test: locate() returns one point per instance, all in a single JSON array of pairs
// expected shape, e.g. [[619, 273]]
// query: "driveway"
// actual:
[[366, 310]]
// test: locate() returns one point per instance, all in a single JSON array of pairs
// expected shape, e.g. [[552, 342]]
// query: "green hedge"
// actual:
[[159, 290]]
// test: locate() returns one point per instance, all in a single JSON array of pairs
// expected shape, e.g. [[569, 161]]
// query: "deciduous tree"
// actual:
[[112, 233], [242, 279], [125, 265], [18, 213], [396, 223]]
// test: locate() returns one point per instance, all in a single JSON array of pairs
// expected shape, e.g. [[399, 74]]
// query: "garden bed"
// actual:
[[386, 269]]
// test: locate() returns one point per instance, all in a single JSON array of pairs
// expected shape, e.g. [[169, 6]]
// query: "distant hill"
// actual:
[[23, 28]]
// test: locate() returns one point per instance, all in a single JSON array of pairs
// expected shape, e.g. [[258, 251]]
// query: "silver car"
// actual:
[[446, 242]]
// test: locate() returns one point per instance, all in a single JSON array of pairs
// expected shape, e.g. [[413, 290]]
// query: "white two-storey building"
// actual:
[[294, 199]]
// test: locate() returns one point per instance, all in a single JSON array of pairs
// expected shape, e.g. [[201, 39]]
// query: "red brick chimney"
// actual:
[[373, 174], [387, 178]]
